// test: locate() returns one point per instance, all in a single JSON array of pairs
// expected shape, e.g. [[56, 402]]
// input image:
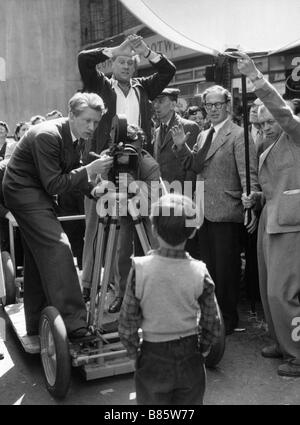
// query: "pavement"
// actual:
[[243, 376]]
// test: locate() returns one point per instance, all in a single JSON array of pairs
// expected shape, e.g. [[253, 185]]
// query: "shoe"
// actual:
[[115, 305], [80, 334], [289, 369], [110, 327], [32, 332], [271, 352], [1, 356]]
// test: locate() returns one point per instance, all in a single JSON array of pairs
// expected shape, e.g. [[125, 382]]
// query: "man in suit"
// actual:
[[279, 227], [122, 94], [45, 163], [254, 127], [220, 163], [270, 128], [171, 168]]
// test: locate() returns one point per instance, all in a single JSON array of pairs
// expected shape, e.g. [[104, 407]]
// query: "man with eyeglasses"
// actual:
[[219, 160]]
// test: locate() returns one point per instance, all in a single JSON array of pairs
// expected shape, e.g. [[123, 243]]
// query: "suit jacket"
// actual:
[[43, 164], [170, 166], [279, 166], [223, 172], [146, 88]]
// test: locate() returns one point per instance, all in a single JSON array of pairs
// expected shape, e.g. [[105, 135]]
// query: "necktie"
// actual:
[[78, 148], [163, 132], [202, 153]]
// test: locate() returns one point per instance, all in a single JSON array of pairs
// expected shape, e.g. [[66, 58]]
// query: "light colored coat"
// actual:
[[279, 166], [224, 173]]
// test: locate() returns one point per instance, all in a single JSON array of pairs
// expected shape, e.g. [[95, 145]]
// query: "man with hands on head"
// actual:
[[122, 94], [279, 227], [218, 159], [45, 163]]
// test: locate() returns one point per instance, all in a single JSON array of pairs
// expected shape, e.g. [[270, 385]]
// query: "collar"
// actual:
[[115, 83], [172, 253], [218, 127], [73, 137], [169, 120]]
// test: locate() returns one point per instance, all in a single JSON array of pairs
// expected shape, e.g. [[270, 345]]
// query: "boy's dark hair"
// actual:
[[174, 217]]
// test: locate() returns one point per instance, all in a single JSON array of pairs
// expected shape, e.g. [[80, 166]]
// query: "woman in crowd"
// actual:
[[20, 130]]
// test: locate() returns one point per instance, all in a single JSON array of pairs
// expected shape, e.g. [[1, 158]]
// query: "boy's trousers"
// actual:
[[170, 372]]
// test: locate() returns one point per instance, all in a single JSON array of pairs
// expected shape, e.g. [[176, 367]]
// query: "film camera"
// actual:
[[125, 147]]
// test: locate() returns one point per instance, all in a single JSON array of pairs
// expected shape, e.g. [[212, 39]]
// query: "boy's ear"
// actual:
[[193, 234]]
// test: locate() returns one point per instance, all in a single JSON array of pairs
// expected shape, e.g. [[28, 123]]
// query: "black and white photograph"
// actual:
[[150, 205]]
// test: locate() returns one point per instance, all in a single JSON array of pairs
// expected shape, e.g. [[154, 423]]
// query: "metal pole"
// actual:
[[246, 137]]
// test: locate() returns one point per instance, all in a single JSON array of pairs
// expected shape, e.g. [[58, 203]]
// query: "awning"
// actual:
[[212, 26]]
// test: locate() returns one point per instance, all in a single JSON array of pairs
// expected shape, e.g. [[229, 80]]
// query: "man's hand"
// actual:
[[100, 165], [246, 66], [138, 45], [249, 201], [253, 222], [125, 49], [179, 136], [10, 218]]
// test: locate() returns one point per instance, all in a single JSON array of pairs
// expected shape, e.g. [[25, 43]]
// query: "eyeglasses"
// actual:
[[217, 105]]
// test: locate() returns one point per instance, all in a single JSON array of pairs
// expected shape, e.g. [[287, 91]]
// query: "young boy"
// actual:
[[165, 291]]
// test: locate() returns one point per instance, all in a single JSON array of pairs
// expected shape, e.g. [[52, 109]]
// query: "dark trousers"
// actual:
[[72, 203], [128, 244], [251, 268], [170, 373], [220, 250], [50, 277]]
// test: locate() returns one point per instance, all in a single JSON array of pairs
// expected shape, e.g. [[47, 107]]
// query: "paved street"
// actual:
[[242, 377]]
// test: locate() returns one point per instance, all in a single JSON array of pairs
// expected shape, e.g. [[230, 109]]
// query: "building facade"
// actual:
[[107, 22], [38, 57]]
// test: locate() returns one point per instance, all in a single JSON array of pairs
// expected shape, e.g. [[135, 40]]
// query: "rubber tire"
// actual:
[[217, 350], [9, 278], [52, 322]]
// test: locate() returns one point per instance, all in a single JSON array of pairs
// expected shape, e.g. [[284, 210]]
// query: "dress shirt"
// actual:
[[127, 105]]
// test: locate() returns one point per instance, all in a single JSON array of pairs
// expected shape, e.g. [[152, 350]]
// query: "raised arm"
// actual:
[[271, 98]]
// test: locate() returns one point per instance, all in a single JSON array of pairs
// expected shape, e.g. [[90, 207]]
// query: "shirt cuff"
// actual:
[[154, 57], [259, 82], [107, 52]]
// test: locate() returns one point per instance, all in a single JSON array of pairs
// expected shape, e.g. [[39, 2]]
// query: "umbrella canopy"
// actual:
[[212, 26]]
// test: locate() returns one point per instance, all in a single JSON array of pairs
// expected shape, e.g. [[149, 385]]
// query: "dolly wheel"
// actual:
[[55, 352], [217, 350]]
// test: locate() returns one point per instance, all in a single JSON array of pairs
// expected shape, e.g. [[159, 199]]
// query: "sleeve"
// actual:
[[155, 83], [278, 108], [93, 80], [130, 317], [149, 172], [239, 152], [187, 156], [194, 130], [210, 320], [46, 157], [3, 209]]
